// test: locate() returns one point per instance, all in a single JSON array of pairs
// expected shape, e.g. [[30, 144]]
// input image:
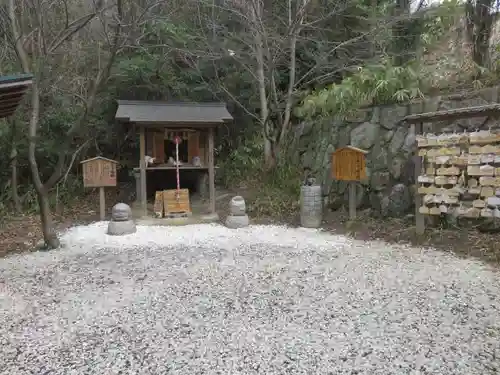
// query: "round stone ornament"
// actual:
[[237, 206], [121, 212]]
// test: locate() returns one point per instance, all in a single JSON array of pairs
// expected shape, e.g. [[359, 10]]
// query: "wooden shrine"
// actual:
[[158, 124]]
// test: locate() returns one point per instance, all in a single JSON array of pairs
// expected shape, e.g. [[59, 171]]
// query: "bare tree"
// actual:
[[254, 14], [480, 19], [264, 42], [47, 41], [14, 179], [265, 46]]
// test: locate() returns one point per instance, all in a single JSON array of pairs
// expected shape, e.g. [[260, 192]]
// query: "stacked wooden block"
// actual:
[[460, 174], [170, 203]]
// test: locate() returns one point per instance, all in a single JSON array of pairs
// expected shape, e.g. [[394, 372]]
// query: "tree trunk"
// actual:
[[16, 200], [269, 154], [48, 230], [269, 161], [49, 234], [14, 188], [479, 27], [481, 41]]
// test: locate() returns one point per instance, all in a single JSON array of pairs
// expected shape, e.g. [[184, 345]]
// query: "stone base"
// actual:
[[194, 219], [235, 222], [307, 221], [121, 228], [210, 218]]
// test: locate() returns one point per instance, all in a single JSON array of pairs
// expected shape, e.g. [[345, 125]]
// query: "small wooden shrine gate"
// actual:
[[491, 110], [158, 122]]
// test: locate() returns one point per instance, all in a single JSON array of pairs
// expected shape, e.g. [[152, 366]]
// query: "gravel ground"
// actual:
[[261, 300]]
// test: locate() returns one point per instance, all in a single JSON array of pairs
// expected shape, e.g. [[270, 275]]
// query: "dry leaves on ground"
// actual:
[[23, 232], [460, 240]]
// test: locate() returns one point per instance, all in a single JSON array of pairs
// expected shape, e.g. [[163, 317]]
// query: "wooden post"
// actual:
[[202, 184], [137, 177], [142, 166], [419, 218], [102, 204], [352, 200], [211, 169]]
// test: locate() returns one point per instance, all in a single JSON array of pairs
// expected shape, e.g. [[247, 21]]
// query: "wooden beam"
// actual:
[[211, 169], [16, 98], [19, 93], [454, 114], [182, 167], [7, 112], [174, 126], [142, 166], [10, 106], [102, 204], [352, 200], [419, 218], [16, 84]]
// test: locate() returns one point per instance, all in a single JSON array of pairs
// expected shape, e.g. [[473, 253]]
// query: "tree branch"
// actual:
[[102, 76]]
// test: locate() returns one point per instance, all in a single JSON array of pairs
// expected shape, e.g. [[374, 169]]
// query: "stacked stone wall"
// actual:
[[389, 188]]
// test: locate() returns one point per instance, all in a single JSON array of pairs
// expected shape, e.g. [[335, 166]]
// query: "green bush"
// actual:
[[273, 194]]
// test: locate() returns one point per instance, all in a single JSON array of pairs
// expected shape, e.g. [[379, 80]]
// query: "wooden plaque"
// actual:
[[99, 172], [158, 147], [193, 146], [349, 164]]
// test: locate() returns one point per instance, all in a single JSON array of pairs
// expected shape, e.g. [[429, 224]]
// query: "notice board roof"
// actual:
[[12, 90]]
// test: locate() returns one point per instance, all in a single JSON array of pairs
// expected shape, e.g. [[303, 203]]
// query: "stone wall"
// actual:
[[388, 190]]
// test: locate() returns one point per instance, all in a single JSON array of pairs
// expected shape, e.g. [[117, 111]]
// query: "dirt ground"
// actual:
[[22, 233], [463, 241]]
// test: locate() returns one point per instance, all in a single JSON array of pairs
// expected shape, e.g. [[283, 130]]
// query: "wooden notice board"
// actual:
[[99, 172], [349, 164]]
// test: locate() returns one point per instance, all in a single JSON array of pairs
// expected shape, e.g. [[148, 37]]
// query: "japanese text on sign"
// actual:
[[99, 172], [349, 164]]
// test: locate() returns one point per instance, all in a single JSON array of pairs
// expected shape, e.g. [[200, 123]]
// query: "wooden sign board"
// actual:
[[99, 172], [349, 164]]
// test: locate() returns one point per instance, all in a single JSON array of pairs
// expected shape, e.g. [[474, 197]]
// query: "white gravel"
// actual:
[[261, 300]]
